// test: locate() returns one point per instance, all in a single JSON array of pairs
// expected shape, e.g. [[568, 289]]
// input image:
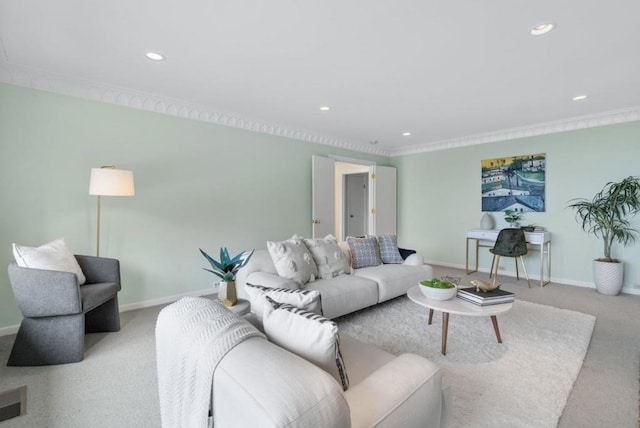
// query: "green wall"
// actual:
[[439, 198], [197, 185]]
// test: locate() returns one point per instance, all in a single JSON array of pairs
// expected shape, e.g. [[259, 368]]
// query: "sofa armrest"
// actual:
[[45, 293], [407, 391], [99, 269]]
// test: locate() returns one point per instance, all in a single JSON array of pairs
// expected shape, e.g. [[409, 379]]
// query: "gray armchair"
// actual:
[[58, 312]]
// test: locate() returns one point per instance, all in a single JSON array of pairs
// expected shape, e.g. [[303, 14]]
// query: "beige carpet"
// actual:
[[524, 382]]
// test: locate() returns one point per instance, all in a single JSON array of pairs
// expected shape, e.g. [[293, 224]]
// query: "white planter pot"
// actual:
[[608, 277]]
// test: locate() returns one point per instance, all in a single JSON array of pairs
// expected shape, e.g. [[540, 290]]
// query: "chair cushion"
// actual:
[[93, 295], [54, 255], [308, 335], [329, 258]]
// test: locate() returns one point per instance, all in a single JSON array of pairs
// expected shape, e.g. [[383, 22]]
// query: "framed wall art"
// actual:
[[515, 183]]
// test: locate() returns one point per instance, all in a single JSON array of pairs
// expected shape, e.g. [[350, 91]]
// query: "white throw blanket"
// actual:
[[192, 336]]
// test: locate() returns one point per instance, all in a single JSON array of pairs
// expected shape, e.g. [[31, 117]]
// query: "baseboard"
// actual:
[[625, 290], [13, 329]]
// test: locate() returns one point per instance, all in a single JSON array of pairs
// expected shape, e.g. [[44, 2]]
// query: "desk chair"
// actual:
[[510, 243]]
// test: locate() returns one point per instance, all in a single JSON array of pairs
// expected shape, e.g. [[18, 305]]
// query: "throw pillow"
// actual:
[[304, 299], [389, 249], [329, 258], [54, 255], [364, 251], [292, 260], [308, 335]]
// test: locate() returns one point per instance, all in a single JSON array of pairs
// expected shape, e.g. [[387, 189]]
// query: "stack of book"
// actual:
[[484, 298]]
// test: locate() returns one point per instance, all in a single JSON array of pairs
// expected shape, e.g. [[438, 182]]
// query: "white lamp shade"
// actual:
[[111, 182]]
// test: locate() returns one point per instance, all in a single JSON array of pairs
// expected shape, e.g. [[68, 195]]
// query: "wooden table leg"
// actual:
[[430, 316], [445, 327], [494, 320]]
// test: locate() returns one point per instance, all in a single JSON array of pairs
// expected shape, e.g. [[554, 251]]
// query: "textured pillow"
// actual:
[[364, 252], [329, 258], [389, 249], [308, 335], [414, 259], [54, 255], [304, 299], [293, 260]]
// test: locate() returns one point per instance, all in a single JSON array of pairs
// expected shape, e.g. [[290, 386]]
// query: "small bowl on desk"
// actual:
[[438, 289]]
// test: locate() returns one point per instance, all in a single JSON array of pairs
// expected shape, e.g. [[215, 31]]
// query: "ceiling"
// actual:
[[449, 72]]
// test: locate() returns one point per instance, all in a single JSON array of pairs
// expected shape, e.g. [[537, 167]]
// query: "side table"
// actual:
[[242, 307]]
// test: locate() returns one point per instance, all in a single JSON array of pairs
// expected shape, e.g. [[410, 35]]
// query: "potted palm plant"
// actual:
[[607, 216], [226, 270]]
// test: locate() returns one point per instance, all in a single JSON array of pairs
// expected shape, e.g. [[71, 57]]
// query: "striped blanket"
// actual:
[[192, 336]]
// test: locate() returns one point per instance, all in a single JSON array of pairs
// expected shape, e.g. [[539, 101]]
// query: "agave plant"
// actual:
[[607, 215], [227, 267]]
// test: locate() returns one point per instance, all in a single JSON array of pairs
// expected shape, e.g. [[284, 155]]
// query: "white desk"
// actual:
[[539, 240]]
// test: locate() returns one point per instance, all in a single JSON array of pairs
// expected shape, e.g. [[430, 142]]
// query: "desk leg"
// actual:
[[494, 320], [545, 247], [466, 257], [445, 328]]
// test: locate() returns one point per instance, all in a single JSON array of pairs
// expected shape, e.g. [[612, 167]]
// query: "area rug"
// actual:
[[523, 382]]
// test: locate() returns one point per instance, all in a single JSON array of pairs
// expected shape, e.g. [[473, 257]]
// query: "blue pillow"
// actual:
[[364, 251], [389, 249]]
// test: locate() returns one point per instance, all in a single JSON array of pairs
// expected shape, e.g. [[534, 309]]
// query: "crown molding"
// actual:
[[39, 79], [570, 124], [42, 80]]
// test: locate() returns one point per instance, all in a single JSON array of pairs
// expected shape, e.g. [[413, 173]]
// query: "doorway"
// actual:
[[355, 203]]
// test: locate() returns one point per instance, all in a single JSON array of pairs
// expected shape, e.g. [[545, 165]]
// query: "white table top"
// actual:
[[456, 306]]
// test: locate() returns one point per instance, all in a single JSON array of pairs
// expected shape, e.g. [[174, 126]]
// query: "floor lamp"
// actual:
[[109, 181]]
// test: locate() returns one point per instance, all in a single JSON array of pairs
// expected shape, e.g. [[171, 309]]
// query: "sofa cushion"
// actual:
[[345, 294], [394, 280], [329, 258], [389, 249], [362, 358], [308, 335], [303, 299], [293, 260], [364, 251], [54, 255]]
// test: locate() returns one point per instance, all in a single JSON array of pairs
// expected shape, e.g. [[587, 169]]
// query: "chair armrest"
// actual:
[[44, 293], [407, 391], [99, 269]]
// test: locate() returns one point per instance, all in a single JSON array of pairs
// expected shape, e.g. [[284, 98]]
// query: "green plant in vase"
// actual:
[[512, 217], [226, 270]]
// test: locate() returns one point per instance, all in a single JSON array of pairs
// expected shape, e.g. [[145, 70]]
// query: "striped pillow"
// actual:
[[304, 299], [308, 335], [389, 249]]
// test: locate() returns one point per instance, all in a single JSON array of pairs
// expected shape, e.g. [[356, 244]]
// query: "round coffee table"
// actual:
[[458, 307]]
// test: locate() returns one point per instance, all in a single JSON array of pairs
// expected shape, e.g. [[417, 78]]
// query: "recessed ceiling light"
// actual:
[[541, 29], [154, 56], [325, 108], [579, 97], [406, 134]]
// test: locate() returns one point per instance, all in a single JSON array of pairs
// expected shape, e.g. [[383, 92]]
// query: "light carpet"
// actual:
[[523, 382]]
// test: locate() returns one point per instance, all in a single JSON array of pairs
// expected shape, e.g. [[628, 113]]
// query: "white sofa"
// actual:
[[259, 384], [345, 293]]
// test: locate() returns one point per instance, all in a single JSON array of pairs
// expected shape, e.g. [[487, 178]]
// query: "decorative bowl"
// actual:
[[434, 289]]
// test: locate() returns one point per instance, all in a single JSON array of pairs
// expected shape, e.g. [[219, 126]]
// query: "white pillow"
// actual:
[[293, 260], [308, 335], [304, 299], [329, 258], [54, 255], [414, 259]]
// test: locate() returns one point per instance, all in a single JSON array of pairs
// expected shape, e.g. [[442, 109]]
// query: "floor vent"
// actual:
[[13, 403]]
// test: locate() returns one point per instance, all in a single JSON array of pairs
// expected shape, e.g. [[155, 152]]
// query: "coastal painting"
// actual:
[[514, 183]]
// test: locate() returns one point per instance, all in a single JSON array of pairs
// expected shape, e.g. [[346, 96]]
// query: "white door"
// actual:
[[356, 204], [382, 197], [323, 196]]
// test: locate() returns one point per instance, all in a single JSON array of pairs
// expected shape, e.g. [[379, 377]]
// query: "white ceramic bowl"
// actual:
[[438, 293]]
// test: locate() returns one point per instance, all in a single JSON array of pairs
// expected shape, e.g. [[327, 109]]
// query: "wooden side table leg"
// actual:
[[445, 327], [430, 316], [494, 320]]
